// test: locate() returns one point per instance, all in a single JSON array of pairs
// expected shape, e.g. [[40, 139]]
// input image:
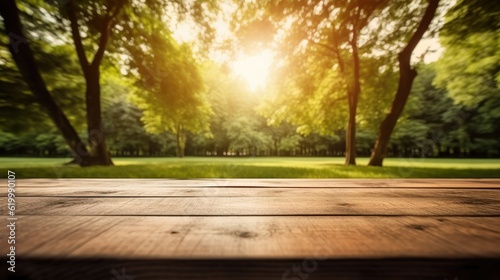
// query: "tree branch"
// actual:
[[77, 38], [108, 24], [103, 42], [25, 60], [430, 11], [325, 46]]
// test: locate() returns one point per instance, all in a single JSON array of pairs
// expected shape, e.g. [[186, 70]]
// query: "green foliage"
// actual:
[[468, 17], [470, 71], [379, 83], [434, 123], [7, 141], [470, 66], [17, 100], [243, 133], [236, 127], [177, 102], [51, 142], [158, 93], [126, 134], [173, 98], [317, 41]]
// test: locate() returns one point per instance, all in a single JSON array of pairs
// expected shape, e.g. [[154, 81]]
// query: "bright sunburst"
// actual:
[[254, 68]]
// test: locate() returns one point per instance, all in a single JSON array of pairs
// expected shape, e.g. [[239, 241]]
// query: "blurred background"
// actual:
[[91, 82]]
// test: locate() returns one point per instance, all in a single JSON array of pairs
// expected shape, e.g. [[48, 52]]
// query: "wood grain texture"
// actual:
[[255, 229], [293, 192], [341, 202], [258, 237], [262, 183]]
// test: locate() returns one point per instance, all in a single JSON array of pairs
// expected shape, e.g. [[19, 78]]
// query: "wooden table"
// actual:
[[146, 229]]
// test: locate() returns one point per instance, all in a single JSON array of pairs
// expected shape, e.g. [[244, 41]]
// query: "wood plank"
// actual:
[[342, 202], [363, 229], [92, 191], [262, 183], [257, 237]]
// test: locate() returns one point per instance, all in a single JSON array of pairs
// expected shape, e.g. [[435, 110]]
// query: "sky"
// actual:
[[434, 47]]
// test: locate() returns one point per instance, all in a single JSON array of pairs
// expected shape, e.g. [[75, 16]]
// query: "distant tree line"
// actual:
[[444, 129]]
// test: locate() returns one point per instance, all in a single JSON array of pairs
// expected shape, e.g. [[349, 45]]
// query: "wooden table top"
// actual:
[[255, 229]]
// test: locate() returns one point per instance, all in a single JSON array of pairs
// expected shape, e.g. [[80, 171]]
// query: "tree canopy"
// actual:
[[97, 79]]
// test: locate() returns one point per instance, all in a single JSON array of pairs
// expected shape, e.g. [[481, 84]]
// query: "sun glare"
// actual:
[[254, 69]]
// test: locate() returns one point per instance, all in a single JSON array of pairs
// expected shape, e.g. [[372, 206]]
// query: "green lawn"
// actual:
[[272, 167]]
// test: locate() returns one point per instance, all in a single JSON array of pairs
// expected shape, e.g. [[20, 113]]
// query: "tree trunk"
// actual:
[[181, 141], [406, 77], [350, 143], [277, 147], [178, 146], [98, 149], [25, 61], [353, 94]]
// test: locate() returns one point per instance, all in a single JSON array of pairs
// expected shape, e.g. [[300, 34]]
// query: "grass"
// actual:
[[272, 167]]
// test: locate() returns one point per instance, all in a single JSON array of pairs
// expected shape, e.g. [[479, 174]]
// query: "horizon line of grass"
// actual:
[[248, 171], [270, 167]]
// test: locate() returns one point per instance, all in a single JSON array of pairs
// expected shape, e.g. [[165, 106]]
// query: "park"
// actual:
[[253, 139]]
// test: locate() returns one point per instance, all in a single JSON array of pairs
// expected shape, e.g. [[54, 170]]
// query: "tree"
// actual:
[[245, 137], [28, 67], [16, 99], [175, 100], [331, 32], [93, 27], [469, 17], [99, 23], [406, 76], [470, 71], [126, 133], [324, 46], [234, 125], [430, 126], [284, 138]]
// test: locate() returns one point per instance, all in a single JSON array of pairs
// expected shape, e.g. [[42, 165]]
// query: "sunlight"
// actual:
[[254, 69]]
